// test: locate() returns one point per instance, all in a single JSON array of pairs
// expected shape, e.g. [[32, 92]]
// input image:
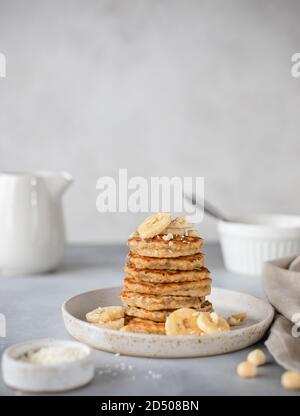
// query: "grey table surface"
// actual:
[[32, 307]]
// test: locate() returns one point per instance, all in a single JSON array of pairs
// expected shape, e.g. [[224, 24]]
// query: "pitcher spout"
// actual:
[[58, 184]]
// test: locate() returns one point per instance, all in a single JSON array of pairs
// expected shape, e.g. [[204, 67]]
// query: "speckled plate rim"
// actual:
[[137, 344]]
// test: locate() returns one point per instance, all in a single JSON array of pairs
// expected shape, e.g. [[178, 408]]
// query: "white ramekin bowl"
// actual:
[[51, 378], [251, 240]]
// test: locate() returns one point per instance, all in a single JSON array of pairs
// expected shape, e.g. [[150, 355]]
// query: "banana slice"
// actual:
[[115, 324], [154, 225], [180, 222], [211, 323], [183, 322], [105, 314], [181, 227]]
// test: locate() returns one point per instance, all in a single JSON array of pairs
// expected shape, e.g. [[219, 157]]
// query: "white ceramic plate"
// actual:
[[260, 315]]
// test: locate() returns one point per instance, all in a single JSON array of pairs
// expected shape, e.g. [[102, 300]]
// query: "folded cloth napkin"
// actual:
[[281, 282]]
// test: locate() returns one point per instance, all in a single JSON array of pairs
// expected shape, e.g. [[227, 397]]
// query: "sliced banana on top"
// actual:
[[115, 324], [181, 222], [154, 225], [183, 322], [211, 323], [180, 226], [105, 314]]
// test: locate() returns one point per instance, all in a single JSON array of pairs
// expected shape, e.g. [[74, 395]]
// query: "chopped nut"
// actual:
[[168, 237], [237, 319]]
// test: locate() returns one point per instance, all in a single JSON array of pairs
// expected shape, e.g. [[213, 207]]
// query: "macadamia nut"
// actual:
[[290, 380], [246, 370], [257, 357]]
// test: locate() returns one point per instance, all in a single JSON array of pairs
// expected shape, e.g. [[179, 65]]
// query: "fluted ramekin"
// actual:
[[252, 240]]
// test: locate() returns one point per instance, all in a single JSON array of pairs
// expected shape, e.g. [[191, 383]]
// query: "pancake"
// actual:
[[161, 316], [193, 262], [157, 302], [158, 246], [144, 326], [165, 276], [194, 288]]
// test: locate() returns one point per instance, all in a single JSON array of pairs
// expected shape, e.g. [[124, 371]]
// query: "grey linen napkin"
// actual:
[[281, 282]]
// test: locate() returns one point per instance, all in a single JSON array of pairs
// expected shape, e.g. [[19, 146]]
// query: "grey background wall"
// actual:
[[168, 87]]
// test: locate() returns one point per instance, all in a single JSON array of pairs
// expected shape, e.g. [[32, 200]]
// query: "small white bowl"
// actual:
[[40, 378], [252, 240]]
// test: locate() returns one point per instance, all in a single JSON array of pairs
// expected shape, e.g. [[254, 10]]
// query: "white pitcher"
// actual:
[[32, 236]]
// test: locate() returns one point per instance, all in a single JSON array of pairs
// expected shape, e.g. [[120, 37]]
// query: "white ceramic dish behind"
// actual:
[[260, 315], [252, 240], [39, 378]]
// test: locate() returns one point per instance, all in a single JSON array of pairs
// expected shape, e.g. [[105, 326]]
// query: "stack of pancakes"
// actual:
[[164, 272]]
